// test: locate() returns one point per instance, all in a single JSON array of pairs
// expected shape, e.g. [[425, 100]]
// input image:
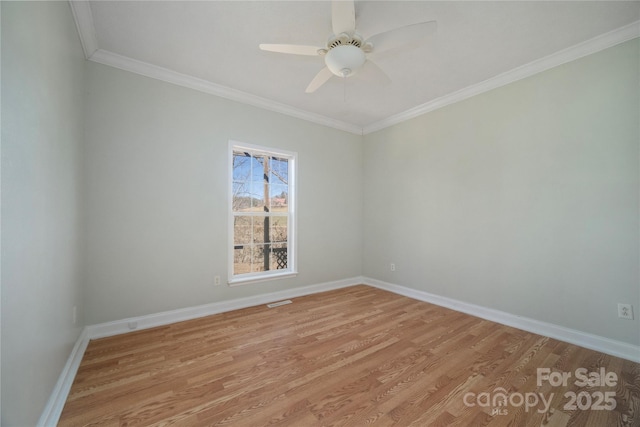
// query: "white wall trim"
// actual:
[[81, 11], [86, 29], [583, 339], [83, 17], [167, 317], [52, 410], [596, 44], [144, 68], [55, 404]]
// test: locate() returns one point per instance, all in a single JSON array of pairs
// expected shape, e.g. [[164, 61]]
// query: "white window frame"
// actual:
[[291, 269]]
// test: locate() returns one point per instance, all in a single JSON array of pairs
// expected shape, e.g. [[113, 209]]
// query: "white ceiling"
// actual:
[[213, 46]]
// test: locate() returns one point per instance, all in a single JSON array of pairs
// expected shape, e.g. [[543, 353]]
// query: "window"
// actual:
[[262, 213]]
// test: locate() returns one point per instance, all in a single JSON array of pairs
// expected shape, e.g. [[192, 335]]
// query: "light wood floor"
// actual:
[[355, 356]]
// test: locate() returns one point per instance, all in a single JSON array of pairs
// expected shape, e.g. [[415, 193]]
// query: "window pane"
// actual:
[[258, 258], [241, 197], [257, 196], [279, 169], [259, 227], [278, 228], [242, 260], [241, 166], [257, 169], [279, 198], [251, 259], [279, 257], [241, 178], [241, 230]]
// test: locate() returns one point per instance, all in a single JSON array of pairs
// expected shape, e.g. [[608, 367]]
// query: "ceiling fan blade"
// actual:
[[343, 16], [402, 36], [371, 73], [321, 78], [294, 49]]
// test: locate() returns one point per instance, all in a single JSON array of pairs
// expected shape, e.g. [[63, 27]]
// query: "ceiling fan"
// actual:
[[346, 52]]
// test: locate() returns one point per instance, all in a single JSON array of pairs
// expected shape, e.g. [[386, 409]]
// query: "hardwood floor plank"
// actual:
[[349, 357]]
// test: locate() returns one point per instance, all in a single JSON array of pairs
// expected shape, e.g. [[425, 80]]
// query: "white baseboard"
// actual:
[[167, 317], [583, 339], [55, 404]]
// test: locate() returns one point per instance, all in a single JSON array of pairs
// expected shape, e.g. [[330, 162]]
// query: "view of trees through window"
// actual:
[[260, 212]]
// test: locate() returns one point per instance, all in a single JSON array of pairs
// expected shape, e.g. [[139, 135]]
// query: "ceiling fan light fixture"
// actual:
[[345, 60], [346, 51]]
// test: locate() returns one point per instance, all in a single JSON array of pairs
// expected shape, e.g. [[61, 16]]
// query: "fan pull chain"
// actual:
[[344, 89]]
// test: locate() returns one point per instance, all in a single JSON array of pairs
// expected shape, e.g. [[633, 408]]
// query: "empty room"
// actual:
[[320, 213]]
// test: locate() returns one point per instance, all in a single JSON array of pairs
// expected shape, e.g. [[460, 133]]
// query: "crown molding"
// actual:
[[143, 68], [83, 17], [84, 23], [596, 44]]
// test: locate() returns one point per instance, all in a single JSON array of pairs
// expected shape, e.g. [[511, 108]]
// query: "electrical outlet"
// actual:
[[625, 311], [392, 267], [216, 280]]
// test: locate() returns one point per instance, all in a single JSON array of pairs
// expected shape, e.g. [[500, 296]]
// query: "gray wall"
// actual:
[[156, 186], [114, 192], [524, 199], [42, 132]]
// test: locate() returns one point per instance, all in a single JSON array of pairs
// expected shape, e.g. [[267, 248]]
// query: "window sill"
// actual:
[[238, 281]]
